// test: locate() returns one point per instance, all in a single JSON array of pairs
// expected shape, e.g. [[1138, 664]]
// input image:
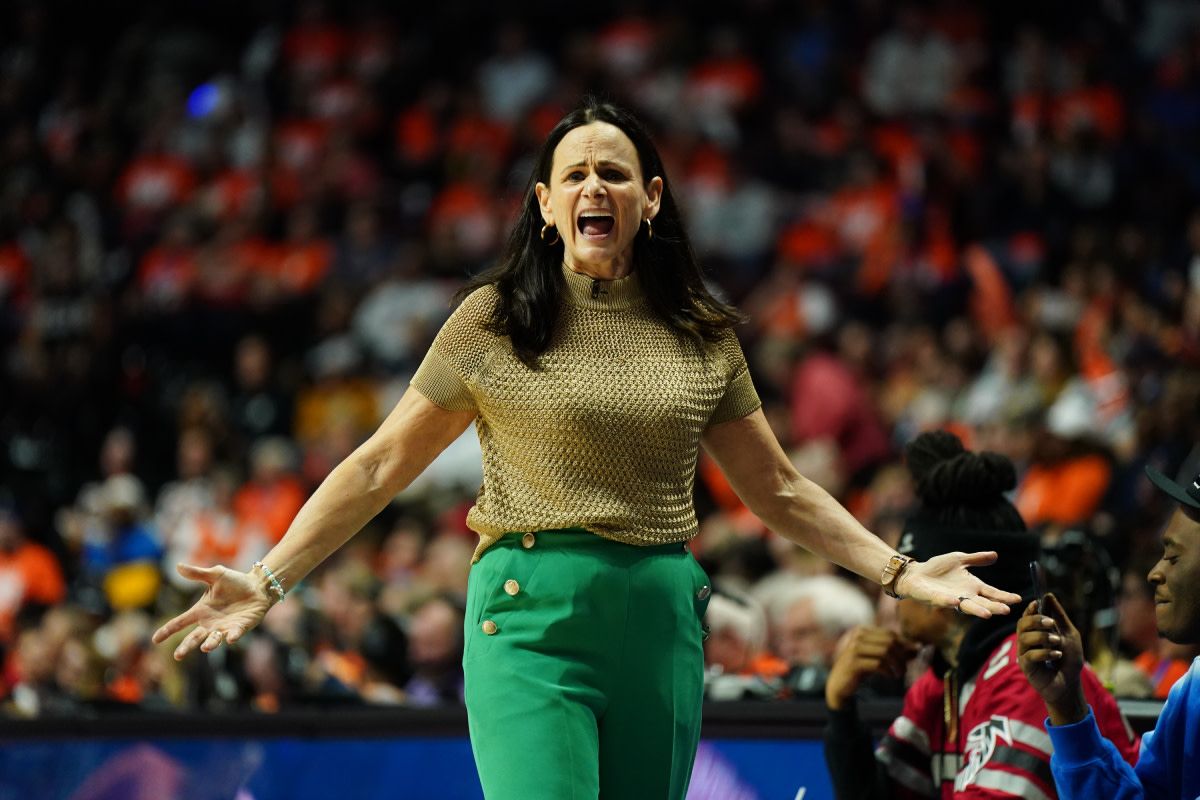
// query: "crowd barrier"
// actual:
[[749, 751]]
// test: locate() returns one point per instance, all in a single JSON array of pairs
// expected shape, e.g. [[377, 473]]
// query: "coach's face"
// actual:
[[1176, 580], [598, 199]]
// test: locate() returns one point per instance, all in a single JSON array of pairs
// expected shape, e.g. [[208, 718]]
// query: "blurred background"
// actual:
[[228, 233]]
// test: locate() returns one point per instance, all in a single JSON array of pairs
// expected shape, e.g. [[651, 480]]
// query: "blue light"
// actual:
[[203, 100]]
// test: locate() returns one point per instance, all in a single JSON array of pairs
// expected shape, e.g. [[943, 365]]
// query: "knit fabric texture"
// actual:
[[605, 434]]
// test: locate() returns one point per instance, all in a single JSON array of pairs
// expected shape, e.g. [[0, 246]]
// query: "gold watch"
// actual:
[[891, 574]]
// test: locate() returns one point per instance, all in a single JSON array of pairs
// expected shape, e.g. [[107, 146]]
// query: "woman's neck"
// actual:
[[606, 271]]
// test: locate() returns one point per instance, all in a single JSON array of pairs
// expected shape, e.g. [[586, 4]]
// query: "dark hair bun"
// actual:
[[947, 474]]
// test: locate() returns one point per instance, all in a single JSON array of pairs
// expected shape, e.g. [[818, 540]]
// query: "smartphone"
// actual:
[[1039, 589], [1039, 592]]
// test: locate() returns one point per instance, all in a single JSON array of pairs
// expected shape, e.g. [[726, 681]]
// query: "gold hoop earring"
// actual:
[[545, 228], [649, 229]]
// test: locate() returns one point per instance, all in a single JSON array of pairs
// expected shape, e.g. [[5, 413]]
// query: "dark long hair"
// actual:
[[528, 277]]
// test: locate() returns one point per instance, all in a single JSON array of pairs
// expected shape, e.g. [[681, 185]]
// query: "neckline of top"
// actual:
[[588, 292]]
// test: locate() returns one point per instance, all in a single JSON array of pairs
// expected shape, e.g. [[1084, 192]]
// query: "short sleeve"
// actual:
[[446, 374], [740, 397]]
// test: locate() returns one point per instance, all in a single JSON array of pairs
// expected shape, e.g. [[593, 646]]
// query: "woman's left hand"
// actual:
[[945, 582]]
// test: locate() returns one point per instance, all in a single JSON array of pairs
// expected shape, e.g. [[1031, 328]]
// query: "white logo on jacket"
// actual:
[[981, 745]]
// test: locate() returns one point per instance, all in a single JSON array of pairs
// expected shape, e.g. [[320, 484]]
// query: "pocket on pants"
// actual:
[[701, 589], [498, 588]]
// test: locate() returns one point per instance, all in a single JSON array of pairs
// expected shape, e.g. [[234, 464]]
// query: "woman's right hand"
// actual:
[[233, 603]]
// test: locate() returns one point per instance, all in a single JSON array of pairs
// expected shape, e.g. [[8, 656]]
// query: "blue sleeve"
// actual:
[[1086, 765]]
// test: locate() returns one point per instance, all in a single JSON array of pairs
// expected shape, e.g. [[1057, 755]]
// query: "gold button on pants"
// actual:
[[512, 587], [528, 540], [489, 627]]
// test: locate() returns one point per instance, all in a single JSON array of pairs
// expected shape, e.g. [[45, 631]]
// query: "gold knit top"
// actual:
[[606, 433]]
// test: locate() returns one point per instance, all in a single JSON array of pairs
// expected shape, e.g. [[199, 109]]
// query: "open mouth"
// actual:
[[595, 225]]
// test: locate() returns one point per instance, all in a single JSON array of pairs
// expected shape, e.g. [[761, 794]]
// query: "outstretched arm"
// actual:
[[794, 507], [356, 490]]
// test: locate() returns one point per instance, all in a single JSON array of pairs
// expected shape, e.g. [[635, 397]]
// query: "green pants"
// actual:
[[584, 667]]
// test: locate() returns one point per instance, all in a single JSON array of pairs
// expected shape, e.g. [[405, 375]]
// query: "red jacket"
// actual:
[[994, 743]]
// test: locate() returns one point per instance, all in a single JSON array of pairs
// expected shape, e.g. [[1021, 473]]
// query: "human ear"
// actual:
[[654, 189], [543, 196]]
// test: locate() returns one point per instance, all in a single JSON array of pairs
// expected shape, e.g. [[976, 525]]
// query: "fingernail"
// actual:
[[1056, 653], [1055, 639], [1049, 623]]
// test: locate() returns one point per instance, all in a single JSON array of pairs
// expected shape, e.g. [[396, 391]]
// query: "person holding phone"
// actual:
[[1085, 763], [971, 726]]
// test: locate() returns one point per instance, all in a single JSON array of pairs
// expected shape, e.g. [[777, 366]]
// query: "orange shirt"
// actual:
[[861, 215], [734, 82], [301, 266], [417, 137], [269, 507], [1101, 106], [29, 574], [1162, 672], [766, 665], [1065, 493]]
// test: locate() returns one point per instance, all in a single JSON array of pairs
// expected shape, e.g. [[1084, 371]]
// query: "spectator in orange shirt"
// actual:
[[29, 573], [266, 504], [211, 534], [303, 259], [1070, 473]]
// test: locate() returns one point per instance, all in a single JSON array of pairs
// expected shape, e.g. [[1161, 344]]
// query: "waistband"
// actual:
[[582, 538]]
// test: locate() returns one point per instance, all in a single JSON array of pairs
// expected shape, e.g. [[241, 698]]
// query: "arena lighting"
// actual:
[[209, 99]]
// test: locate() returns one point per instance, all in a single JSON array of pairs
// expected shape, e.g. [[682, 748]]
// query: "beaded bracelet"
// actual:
[[276, 586]]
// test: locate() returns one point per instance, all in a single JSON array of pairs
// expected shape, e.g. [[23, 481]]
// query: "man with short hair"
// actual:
[[1084, 764]]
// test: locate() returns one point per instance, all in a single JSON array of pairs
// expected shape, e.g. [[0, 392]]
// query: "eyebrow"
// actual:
[[620, 164]]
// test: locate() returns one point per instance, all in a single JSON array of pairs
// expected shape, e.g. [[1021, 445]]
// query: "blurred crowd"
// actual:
[[228, 232]]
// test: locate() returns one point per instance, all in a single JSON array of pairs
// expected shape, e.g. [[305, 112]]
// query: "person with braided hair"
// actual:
[[971, 726], [594, 364]]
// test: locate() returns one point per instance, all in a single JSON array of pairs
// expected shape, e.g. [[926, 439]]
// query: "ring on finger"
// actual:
[[961, 598]]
